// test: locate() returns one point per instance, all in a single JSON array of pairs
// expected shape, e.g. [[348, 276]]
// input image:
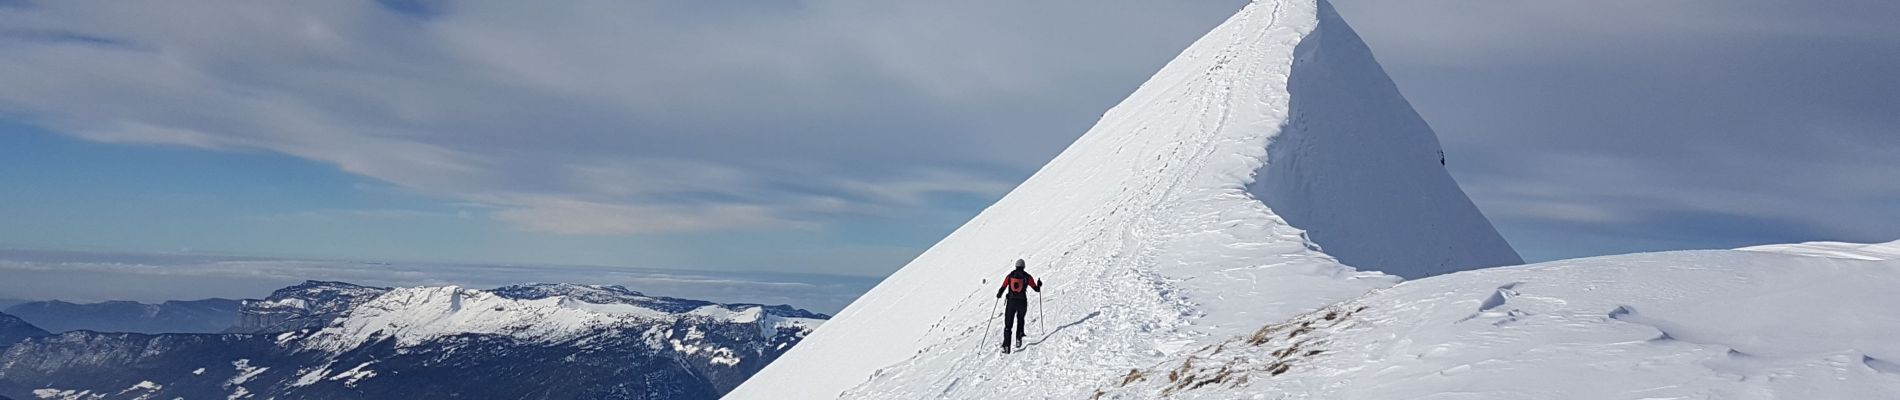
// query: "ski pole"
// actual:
[[992, 318]]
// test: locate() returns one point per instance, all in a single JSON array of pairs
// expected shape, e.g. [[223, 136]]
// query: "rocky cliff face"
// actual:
[[307, 305]]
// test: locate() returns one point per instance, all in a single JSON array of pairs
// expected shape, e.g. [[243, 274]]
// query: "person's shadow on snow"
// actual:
[[1046, 335]]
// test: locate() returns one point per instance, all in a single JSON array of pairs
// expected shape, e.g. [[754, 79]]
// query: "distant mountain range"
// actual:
[[13, 330], [197, 316], [330, 340]]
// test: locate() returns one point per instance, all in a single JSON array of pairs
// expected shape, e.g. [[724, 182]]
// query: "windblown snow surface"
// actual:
[[1721, 324], [1229, 191]]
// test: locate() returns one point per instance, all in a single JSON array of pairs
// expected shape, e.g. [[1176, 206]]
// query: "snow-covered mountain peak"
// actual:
[[1226, 190]]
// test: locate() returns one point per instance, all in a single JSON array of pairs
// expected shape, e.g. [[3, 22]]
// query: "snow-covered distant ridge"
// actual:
[[535, 313], [353, 341]]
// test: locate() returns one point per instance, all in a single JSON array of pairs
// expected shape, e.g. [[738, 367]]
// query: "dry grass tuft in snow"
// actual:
[[1268, 352]]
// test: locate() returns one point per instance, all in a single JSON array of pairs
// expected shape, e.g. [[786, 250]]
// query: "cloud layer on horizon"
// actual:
[[153, 278]]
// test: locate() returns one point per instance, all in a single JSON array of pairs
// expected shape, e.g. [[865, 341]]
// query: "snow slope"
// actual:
[[1673, 325], [1151, 230]]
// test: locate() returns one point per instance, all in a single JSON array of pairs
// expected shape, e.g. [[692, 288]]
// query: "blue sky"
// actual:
[[172, 199], [846, 136]]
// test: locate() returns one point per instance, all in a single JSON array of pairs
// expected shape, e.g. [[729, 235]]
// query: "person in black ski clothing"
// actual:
[[1016, 285]]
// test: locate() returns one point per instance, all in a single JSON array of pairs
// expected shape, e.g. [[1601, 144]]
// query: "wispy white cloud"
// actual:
[[574, 217], [366, 214], [596, 116]]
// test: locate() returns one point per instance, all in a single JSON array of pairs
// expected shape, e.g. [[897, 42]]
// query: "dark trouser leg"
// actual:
[[1007, 321], [1013, 320], [1019, 322]]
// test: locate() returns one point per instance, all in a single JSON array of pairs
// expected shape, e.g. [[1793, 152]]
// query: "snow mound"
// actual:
[[1851, 251], [1674, 325], [1177, 220]]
